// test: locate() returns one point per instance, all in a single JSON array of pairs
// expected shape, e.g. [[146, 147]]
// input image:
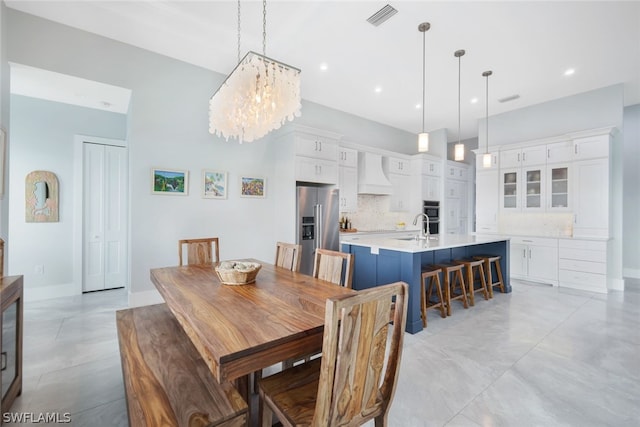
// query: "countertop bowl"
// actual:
[[237, 272]]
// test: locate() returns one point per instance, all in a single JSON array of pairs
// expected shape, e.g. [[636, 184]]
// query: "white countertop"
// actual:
[[405, 242]]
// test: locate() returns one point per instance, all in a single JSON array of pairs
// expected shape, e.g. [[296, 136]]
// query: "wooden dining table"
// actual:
[[240, 329]]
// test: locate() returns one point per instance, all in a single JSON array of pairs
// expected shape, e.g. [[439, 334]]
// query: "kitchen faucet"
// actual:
[[422, 235]]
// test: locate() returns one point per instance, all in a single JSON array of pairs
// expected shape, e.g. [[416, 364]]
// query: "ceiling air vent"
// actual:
[[509, 98], [382, 15]]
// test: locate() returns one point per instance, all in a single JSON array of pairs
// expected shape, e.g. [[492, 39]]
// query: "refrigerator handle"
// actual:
[[319, 224]]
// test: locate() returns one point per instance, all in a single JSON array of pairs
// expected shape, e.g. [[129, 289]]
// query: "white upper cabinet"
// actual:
[[536, 155], [431, 167], [560, 152], [316, 170], [430, 187], [348, 157], [317, 147], [592, 147], [487, 200], [398, 166], [348, 185]]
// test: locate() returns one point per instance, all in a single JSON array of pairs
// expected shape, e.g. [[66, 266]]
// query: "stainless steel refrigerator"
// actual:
[[317, 222]]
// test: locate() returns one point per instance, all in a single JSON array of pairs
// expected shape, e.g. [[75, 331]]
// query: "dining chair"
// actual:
[[333, 266], [355, 379], [199, 251], [288, 256]]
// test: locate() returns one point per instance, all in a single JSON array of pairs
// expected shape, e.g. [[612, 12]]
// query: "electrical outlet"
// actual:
[[39, 269]]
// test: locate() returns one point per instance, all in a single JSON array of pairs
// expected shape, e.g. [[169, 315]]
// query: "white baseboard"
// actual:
[[615, 284], [633, 273], [138, 299], [48, 292]]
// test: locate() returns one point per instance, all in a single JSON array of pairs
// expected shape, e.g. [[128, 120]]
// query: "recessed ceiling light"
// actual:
[[474, 100], [418, 106], [569, 72], [324, 66], [378, 89]]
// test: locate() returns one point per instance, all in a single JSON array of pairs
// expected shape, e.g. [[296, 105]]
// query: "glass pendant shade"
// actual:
[[423, 142], [259, 96], [486, 160], [458, 153]]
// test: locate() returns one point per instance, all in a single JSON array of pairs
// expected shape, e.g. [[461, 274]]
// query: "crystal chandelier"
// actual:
[[259, 95]]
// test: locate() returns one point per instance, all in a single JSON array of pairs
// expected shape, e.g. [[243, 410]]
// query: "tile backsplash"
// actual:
[[540, 224], [373, 214]]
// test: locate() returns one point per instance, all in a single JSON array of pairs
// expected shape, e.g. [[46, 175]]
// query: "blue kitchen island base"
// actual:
[[381, 261]]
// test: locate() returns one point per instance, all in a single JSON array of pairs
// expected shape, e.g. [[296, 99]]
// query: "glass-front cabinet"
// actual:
[[510, 189], [534, 188], [559, 188]]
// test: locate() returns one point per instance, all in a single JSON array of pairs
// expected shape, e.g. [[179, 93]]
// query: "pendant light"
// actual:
[[458, 153], [486, 158], [261, 94], [423, 137]]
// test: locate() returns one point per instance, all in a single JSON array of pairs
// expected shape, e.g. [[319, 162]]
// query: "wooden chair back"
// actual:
[[1, 258], [333, 266], [288, 256], [353, 356], [199, 251]]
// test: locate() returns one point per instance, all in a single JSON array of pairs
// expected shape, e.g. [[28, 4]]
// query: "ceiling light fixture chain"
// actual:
[[264, 27], [423, 137], [260, 95], [239, 32], [459, 147]]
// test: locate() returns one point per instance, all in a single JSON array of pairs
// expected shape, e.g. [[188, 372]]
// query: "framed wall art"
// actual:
[[253, 186], [41, 197], [169, 181], [214, 184]]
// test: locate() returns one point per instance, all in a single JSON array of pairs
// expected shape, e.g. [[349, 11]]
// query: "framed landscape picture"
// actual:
[[214, 184], [169, 181], [252, 186]]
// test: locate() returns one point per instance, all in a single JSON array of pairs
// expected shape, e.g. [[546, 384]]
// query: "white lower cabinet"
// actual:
[[583, 264], [534, 258]]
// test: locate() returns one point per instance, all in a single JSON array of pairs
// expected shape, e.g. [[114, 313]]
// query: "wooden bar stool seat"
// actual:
[[495, 259], [431, 280], [474, 265], [452, 274]]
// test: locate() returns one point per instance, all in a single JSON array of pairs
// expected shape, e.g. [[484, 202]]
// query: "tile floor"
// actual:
[[540, 356]]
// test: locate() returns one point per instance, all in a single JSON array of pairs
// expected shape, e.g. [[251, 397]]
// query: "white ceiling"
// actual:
[[527, 45]]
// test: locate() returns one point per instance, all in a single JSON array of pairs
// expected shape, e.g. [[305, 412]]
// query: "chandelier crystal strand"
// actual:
[[260, 95]]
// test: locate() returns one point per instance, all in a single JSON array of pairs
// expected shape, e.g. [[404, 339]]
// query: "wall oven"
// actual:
[[431, 208]]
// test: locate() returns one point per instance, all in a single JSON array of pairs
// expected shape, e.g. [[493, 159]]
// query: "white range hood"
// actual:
[[371, 178]]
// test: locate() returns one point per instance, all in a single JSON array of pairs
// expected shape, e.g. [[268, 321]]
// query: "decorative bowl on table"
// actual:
[[237, 272]]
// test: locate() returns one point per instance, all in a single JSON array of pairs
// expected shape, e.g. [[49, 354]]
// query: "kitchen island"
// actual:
[[389, 258]]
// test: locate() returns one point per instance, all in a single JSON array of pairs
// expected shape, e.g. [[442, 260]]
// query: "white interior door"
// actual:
[[105, 217]]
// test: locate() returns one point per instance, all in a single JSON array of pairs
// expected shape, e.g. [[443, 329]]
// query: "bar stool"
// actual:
[[455, 270], [432, 276], [476, 264], [488, 259]]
